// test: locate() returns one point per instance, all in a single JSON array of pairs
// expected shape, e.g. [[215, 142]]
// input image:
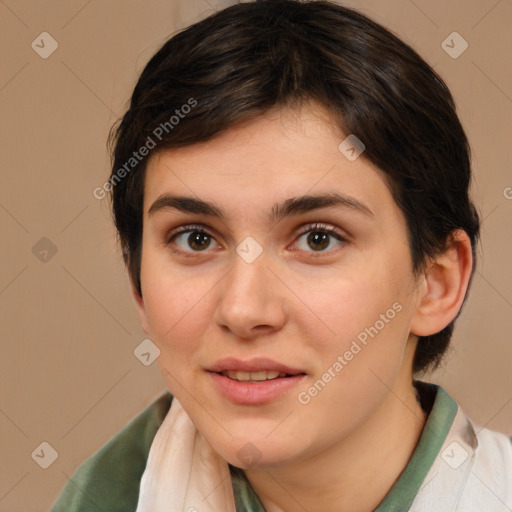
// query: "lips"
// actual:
[[254, 382], [259, 364]]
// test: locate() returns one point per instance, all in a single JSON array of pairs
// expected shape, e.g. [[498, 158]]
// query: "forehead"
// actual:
[[272, 158]]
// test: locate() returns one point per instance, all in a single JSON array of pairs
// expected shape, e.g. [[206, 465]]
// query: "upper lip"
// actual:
[[252, 365]]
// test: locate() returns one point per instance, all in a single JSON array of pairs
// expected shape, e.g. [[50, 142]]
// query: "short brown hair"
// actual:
[[251, 57]]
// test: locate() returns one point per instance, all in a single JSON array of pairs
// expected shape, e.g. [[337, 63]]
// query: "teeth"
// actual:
[[253, 376]]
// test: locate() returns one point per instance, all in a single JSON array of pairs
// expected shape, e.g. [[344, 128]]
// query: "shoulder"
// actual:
[[110, 478], [495, 445], [493, 463]]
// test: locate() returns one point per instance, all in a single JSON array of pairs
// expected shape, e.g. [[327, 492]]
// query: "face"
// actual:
[[277, 284]]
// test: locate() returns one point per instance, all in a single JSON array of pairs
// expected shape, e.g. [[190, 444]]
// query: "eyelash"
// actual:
[[197, 228]]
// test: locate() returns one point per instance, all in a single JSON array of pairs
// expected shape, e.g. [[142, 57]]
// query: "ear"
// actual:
[[443, 286], [139, 303]]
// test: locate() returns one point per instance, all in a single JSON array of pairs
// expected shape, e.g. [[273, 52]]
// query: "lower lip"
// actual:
[[254, 393]]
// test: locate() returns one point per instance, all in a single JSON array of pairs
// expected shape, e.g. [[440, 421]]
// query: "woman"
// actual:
[[290, 187]]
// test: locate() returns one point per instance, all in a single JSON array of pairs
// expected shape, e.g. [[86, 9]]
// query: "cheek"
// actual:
[[368, 314], [177, 318], [176, 306], [353, 302]]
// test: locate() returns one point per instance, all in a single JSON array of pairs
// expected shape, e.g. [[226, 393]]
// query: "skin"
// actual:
[[300, 306]]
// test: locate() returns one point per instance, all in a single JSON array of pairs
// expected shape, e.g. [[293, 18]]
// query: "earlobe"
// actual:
[[444, 286]]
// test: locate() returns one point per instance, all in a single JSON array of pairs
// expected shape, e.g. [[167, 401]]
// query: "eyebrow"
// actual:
[[292, 206]]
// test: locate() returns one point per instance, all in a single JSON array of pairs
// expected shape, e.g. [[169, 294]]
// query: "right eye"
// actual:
[[191, 239]]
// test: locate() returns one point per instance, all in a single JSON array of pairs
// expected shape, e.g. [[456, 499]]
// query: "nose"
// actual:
[[251, 300]]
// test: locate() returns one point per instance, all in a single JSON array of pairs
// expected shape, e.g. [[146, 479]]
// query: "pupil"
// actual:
[[319, 239], [197, 240]]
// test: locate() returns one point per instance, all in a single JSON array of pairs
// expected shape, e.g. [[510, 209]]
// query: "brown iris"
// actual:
[[320, 240], [198, 241]]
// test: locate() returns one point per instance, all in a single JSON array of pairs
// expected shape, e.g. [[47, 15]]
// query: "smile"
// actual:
[[256, 381]]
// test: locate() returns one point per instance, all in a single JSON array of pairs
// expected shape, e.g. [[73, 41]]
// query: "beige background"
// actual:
[[69, 375]]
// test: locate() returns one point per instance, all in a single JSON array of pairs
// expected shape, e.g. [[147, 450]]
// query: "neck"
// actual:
[[356, 473]]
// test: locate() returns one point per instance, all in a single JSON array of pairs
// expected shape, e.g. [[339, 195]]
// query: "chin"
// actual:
[[256, 453]]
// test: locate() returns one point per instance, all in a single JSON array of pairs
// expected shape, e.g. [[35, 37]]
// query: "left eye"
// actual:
[[319, 238]]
